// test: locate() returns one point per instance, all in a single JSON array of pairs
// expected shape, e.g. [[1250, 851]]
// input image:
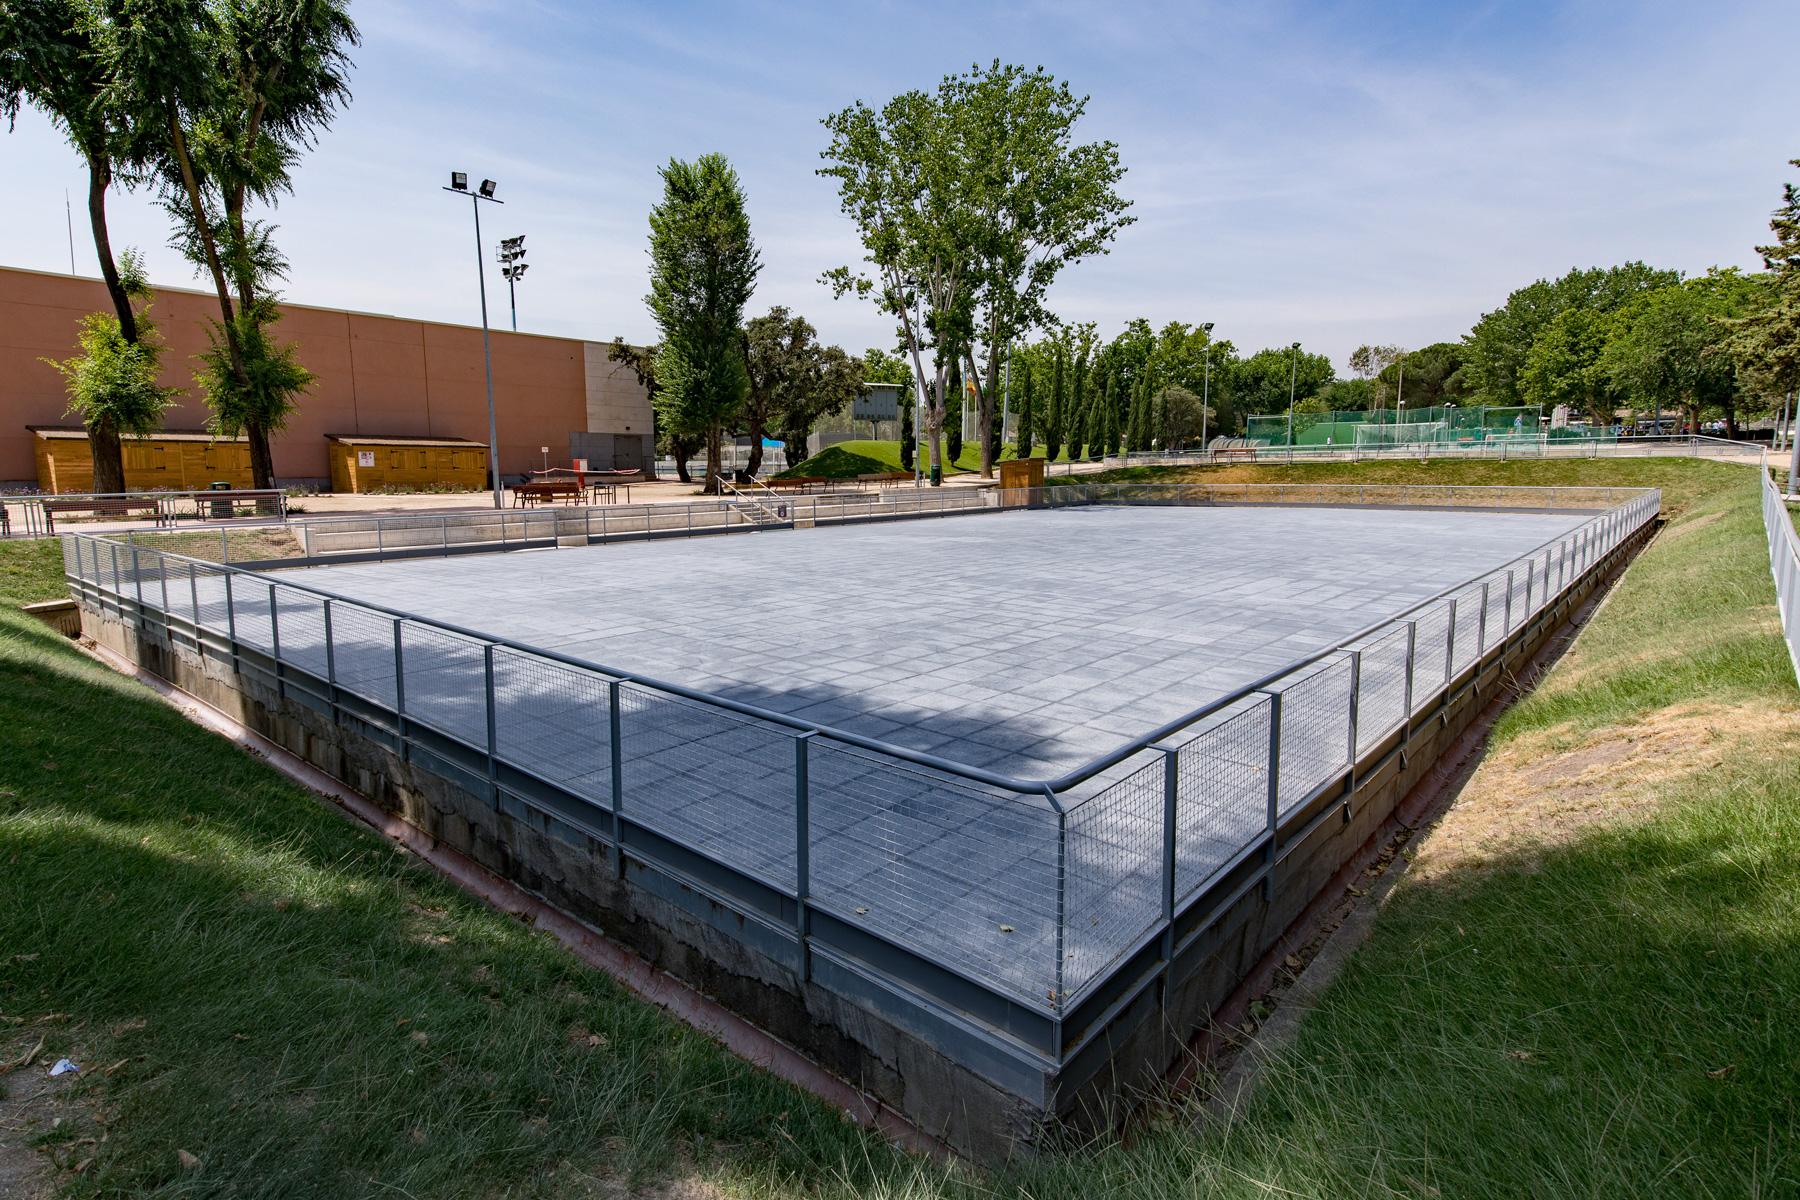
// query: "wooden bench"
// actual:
[[1234, 452], [796, 483], [883, 479], [101, 506]]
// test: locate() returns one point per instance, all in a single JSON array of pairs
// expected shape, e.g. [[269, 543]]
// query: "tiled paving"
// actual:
[[1023, 642]]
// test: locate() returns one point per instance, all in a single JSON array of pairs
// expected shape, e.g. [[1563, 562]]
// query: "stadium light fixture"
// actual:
[[459, 184], [512, 269]]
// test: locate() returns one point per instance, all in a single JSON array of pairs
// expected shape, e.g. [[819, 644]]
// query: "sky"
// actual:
[[1333, 173]]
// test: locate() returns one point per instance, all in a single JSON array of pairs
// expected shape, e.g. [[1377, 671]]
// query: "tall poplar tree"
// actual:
[[703, 267], [1053, 418]]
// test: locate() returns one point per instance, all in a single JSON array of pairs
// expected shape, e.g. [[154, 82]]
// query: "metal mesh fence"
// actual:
[[446, 682], [1381, 688], [1222, 793], [721, 783], [363, 653], [1468, 629], [1431, 654], [301, 617], [1115, 872], [1315, 729], [554, 721], [964, 875]]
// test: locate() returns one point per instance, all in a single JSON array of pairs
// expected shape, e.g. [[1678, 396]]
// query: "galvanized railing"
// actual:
[[1011, 903], [1502, 450], [1784, 563], [37, 515]]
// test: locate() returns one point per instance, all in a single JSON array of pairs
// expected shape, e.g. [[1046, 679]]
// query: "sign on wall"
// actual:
[[365, 458]]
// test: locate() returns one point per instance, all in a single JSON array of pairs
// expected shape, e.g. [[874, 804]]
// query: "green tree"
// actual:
[[1054, 414], [1563, 366], [641, 361], [908, 442], [703, 267], [1025, 437], [879, 366], [1039, 202], [1765, 341], [826, 382], [1496, 347], [953, 428], [51, 59], [112, 383], [1425, 378], [1179, 425], [1260, 383], [240, 88], [1080, 407], [781, 349], [1670, 349]]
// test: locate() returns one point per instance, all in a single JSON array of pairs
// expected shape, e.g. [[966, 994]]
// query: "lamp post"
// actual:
[[1205, 384], [459, 183], [1293, 375], [512, 266]]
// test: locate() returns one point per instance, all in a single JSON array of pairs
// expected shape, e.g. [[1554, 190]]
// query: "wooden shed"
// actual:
[[173, 460], [365, 464], [1019, 475]]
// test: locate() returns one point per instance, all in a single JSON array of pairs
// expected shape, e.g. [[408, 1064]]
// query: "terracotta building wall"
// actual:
[[376, 375]]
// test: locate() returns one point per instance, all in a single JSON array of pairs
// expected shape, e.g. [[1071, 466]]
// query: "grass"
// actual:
[[1598, 1005], [848, 459]]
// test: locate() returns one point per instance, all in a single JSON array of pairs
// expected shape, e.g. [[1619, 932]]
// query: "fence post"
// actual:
[[1274, 799], [1506, 613], [1450, 652], [803, 852], [1171, 793], [1481, 628], [444, 533], [400, 693], [275, 641], [1355, 697], [1062, 912], [224, 546], [614, 726], [493, 738], [1406, 711], [194, 597], [137, 578], [380, 546], [330, 666]]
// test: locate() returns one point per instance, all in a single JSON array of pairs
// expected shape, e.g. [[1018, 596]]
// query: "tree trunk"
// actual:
[[203, 230], [794, 446], [681, 450], [934, 426], [109, 461], [714, 462], [99, 178], [103, 438], [262, 459], [756, 446]]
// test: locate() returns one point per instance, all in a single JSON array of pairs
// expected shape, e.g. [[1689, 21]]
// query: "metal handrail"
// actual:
[[1047, 788]]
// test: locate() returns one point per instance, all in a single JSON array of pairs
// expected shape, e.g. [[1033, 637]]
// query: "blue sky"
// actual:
[[1334, 172]]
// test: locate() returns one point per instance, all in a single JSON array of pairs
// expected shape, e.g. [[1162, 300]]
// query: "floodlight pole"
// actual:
[[1293, 375], [487, 353], [1205, 385]]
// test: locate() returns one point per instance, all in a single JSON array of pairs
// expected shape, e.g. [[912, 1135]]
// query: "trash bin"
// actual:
[[221, 509], [937, 475]]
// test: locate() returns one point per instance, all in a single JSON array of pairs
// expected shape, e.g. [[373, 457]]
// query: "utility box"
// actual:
[[420, 464], [1020, 481]]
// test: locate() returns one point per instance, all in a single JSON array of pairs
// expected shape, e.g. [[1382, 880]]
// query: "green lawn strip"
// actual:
[[846, 460], [305, 1009]]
